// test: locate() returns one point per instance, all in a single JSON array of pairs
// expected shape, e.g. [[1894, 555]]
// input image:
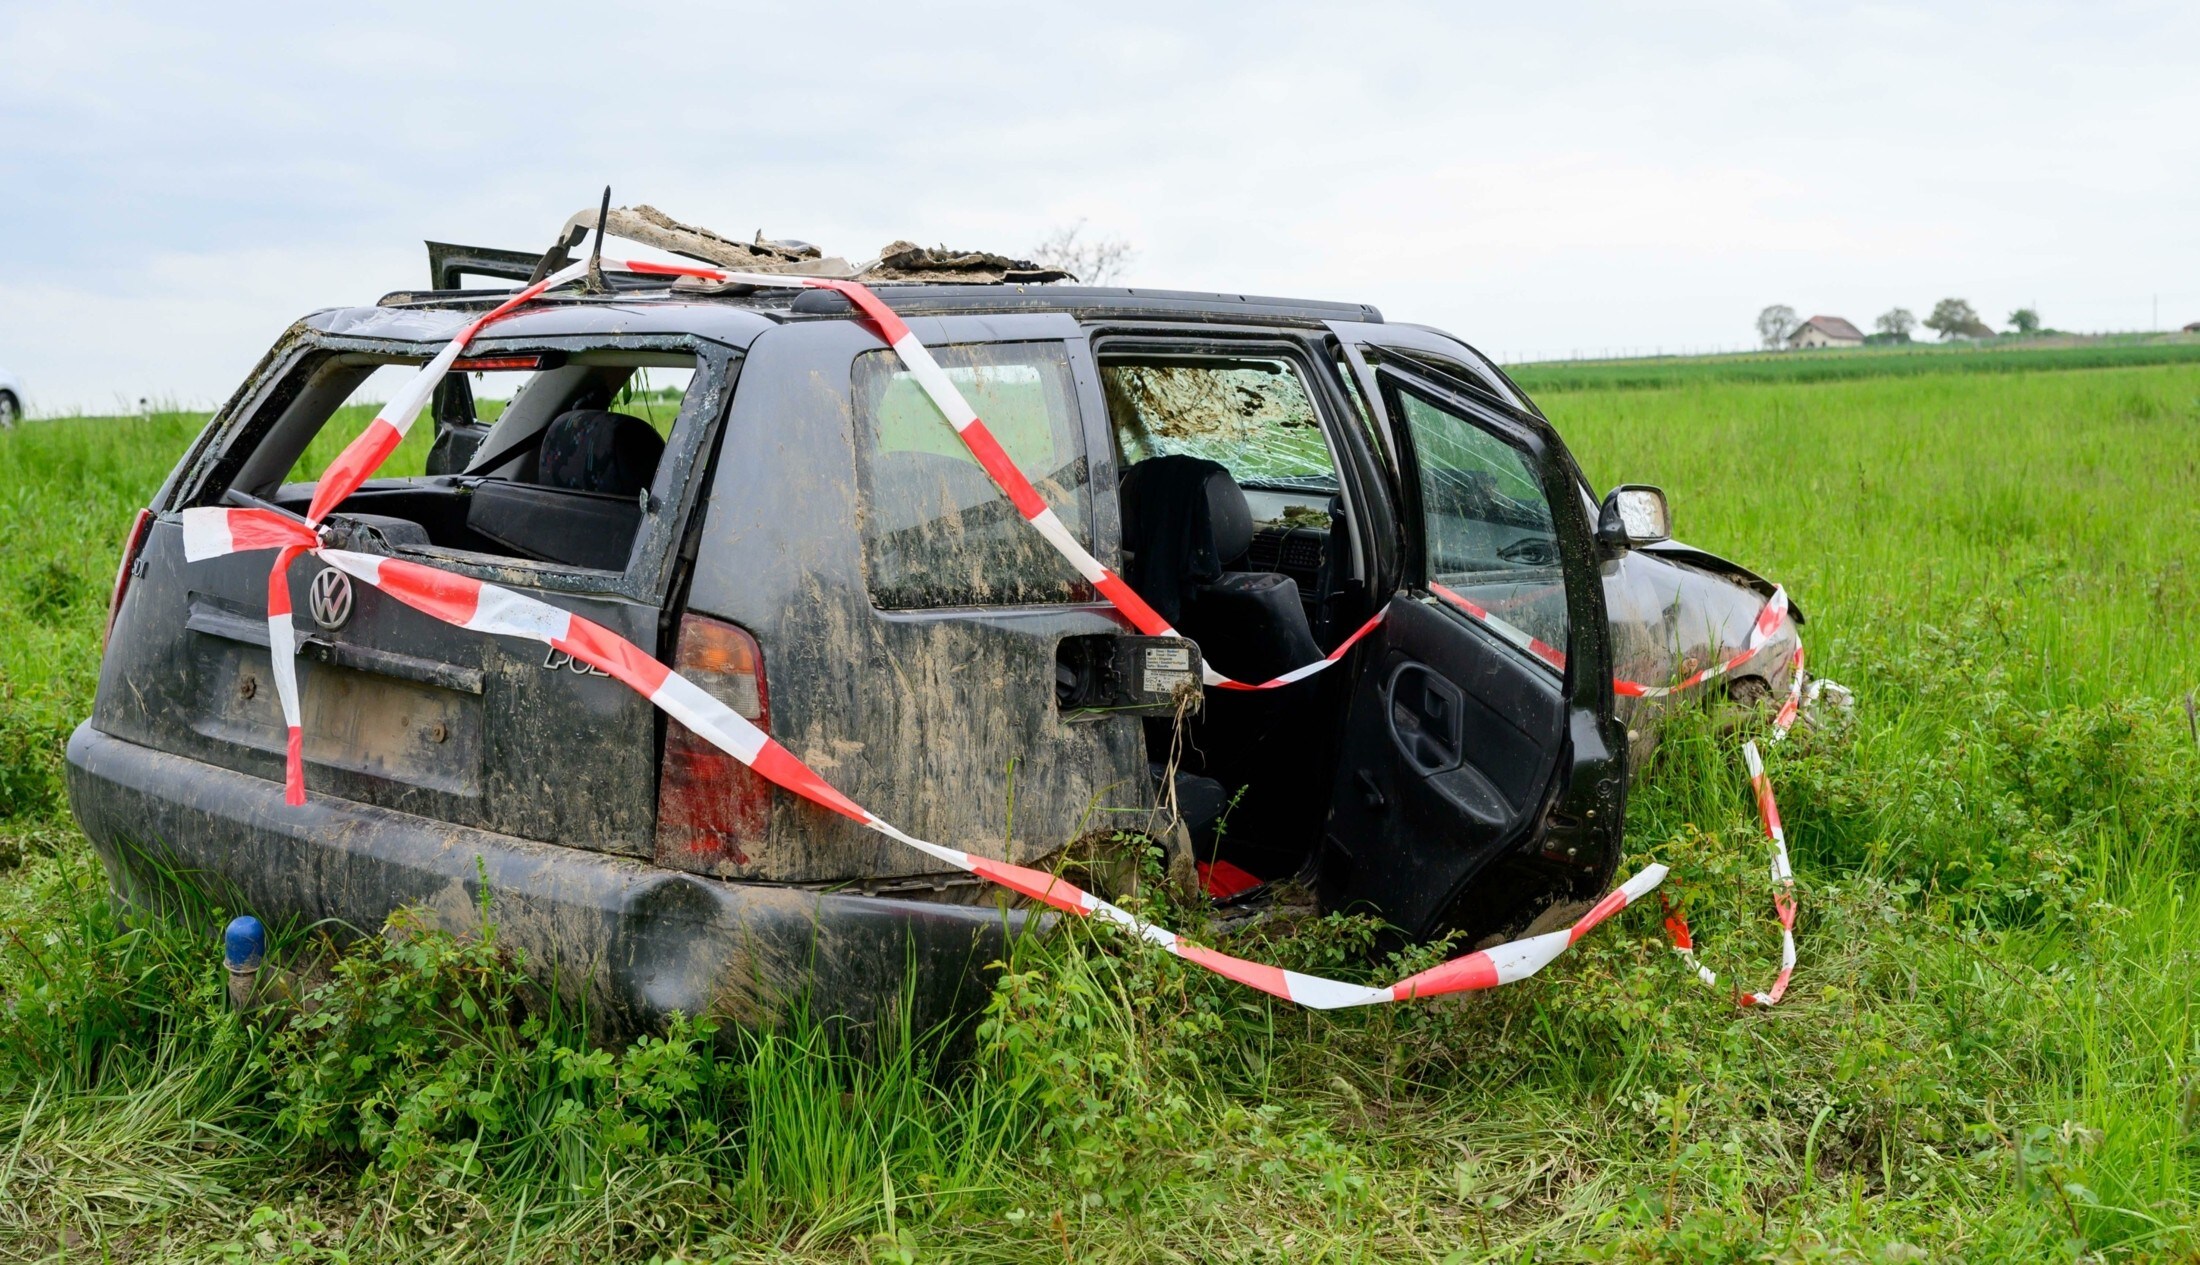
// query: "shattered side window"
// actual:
[[1252, 416], [936, 530], [1486, 524]]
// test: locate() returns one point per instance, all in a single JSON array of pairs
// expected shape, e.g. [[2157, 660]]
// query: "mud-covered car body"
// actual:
[[813, 547]]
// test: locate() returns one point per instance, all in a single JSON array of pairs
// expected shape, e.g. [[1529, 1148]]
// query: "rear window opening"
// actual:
[[554, 456]]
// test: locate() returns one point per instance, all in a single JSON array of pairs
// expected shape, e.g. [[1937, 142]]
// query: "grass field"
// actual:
[[1990, 1052], [2008, 355]]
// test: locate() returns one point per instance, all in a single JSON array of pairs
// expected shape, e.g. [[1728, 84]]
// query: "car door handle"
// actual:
[[1425, 718]]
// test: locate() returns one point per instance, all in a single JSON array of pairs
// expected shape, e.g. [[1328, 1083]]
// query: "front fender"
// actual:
[[1670, 618]]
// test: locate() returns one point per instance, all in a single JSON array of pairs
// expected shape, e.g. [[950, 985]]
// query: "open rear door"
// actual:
[[1481, 772]]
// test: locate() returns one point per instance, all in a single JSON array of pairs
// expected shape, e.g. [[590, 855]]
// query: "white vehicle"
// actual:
[[11, 400]]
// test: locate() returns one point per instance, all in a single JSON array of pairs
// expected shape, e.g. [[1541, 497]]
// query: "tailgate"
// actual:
[[605, 439], [401, 710]]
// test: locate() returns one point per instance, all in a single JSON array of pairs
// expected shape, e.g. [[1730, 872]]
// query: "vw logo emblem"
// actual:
[[329, 598]]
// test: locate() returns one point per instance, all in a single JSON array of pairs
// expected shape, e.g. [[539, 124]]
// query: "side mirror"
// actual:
[[1633, 514]]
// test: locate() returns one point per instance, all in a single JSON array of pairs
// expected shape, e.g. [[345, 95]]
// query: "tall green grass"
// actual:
[[1889, 506], [1989, 1053]]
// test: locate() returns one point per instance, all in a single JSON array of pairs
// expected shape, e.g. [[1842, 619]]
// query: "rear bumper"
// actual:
[[636, 941]]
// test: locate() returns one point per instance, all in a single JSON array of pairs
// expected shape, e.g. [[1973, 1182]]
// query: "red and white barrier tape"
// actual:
[[1783, 892], [469, 603], [474, 604], [997, 464], [1783, 877], [1792, 705]]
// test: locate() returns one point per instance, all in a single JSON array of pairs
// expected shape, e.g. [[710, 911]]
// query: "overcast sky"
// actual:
[[176, 188]]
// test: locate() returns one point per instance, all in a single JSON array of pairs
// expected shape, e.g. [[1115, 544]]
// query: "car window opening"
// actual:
[[551, 457], [1234, 529]]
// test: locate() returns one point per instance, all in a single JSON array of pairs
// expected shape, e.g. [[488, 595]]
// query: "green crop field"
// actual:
[[1990, 1051], [2011, 355]]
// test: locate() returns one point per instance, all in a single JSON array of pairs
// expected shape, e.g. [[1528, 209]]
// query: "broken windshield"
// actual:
[[1252, 416]]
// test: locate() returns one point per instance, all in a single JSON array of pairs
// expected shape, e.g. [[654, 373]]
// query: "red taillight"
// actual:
[[486, 364], [130, 549], [710, 806]]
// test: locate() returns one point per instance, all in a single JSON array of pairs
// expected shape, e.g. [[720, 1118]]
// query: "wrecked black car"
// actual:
[[747, 482]]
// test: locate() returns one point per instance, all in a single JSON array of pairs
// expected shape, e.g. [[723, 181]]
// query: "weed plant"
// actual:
[[1989, 1052]]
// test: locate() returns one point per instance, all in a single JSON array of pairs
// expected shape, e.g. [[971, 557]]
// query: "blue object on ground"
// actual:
[[244, 943]]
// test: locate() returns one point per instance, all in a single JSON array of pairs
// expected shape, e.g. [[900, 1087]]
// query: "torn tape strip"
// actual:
[[1792, 706], [366, 453], [1783, 891]]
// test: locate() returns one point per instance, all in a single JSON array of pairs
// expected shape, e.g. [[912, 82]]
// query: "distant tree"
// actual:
[[2025, 320], [1896, 323], [1775, 323], [1955, 317], [1093, 261]]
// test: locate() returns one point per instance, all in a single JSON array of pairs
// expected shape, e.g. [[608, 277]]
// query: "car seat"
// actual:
[[585, 505], [1185, 524], [594, 450]]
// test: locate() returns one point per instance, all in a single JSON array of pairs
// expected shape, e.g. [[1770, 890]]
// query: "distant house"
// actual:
[[1825, 331], [2193, 328]]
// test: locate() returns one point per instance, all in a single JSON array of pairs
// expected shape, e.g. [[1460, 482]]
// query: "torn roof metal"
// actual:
[[901, 261]]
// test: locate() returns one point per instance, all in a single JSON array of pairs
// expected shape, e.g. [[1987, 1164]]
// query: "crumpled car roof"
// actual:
[[897, 261]]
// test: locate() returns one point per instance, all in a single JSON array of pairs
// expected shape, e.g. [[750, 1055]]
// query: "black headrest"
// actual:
[[1184, 520], [1229, 515], [591, 450]]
